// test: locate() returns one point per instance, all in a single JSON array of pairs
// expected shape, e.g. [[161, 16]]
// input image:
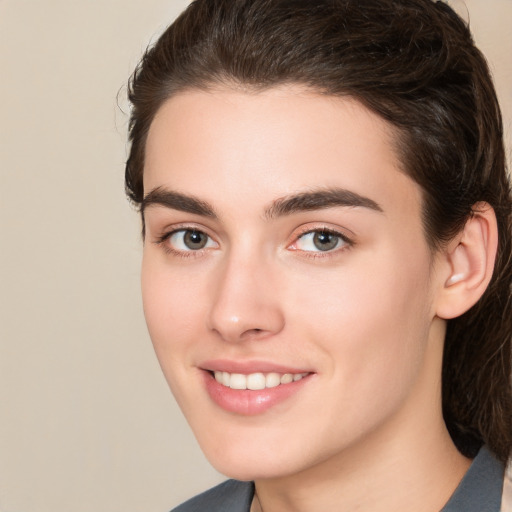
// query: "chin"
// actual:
[[243, 469], [257, 456]]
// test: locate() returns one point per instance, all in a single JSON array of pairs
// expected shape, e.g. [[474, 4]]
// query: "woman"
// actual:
[[327, 239]]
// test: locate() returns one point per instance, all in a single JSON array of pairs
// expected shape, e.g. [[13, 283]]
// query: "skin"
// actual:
[[365, 431]]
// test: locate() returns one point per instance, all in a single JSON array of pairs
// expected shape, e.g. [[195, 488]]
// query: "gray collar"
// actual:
[[481, 488]]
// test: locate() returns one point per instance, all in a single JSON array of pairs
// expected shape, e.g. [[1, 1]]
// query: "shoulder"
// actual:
[[230, 496]]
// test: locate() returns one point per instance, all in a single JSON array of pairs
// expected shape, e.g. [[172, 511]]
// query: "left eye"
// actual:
[[190, 240], [320, 241]]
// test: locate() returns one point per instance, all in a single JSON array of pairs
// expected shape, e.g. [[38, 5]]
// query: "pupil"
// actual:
[[195, 239], [325, 241]]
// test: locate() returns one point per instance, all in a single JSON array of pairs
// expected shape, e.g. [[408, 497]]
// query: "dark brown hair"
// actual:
[[413, 62]]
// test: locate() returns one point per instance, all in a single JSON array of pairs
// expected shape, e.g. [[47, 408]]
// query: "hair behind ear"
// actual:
[[477, 366]]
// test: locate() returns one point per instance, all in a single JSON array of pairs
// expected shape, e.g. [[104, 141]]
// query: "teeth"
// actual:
[[256, 381], [287, 378], [272, 380]]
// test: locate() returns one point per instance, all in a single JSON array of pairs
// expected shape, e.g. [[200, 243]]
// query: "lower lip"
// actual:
[[250, 402]]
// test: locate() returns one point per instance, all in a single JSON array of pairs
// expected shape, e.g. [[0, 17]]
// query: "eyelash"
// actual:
[[164, 239], [348, 243]]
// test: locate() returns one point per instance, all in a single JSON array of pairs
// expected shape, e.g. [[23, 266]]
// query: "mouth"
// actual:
[[256, 381], [249, 391]]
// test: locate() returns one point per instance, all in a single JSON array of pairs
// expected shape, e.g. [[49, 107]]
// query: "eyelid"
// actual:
[[175, 239], [348, 241], [169, 231]]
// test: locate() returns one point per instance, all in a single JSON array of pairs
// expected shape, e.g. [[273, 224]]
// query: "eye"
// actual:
[[190, 240], [320, 241]]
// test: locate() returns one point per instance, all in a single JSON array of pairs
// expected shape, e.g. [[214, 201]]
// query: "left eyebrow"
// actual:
[[319, 200]]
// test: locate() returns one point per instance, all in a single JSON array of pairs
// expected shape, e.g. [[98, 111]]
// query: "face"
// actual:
[[287, 284]]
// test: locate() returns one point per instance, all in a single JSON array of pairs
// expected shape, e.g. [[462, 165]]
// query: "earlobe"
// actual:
[[469, 262]]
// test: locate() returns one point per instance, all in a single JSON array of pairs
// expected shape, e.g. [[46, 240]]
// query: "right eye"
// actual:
[[186, 240]]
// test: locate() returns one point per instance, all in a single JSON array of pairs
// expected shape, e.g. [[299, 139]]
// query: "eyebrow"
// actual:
[[170, 199], [304, 201], [319, 200]]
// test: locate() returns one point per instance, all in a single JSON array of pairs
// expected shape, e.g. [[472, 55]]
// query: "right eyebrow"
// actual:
[[161, 196]]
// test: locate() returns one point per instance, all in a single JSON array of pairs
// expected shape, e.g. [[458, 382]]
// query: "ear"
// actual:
[[468, 263]]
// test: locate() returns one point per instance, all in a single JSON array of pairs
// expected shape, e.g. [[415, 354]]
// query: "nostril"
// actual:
[[256, 333]]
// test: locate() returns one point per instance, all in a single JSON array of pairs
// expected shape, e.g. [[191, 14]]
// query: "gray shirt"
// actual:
[[479, 491]]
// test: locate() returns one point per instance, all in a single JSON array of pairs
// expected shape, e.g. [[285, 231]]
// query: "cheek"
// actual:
[[171, 306], [371, 320]]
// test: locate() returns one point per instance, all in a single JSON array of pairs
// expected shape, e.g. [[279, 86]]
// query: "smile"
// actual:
[[252, 393], [256, 381]]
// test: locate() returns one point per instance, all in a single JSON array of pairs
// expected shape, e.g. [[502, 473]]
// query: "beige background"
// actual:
[[87, 423]]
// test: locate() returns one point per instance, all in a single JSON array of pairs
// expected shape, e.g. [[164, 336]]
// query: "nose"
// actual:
[[245, 304]]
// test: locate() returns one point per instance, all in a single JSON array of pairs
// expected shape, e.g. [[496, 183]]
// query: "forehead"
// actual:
[[247, 146]]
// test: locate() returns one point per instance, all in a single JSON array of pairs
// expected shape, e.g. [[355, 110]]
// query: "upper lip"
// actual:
[[248, 367]]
